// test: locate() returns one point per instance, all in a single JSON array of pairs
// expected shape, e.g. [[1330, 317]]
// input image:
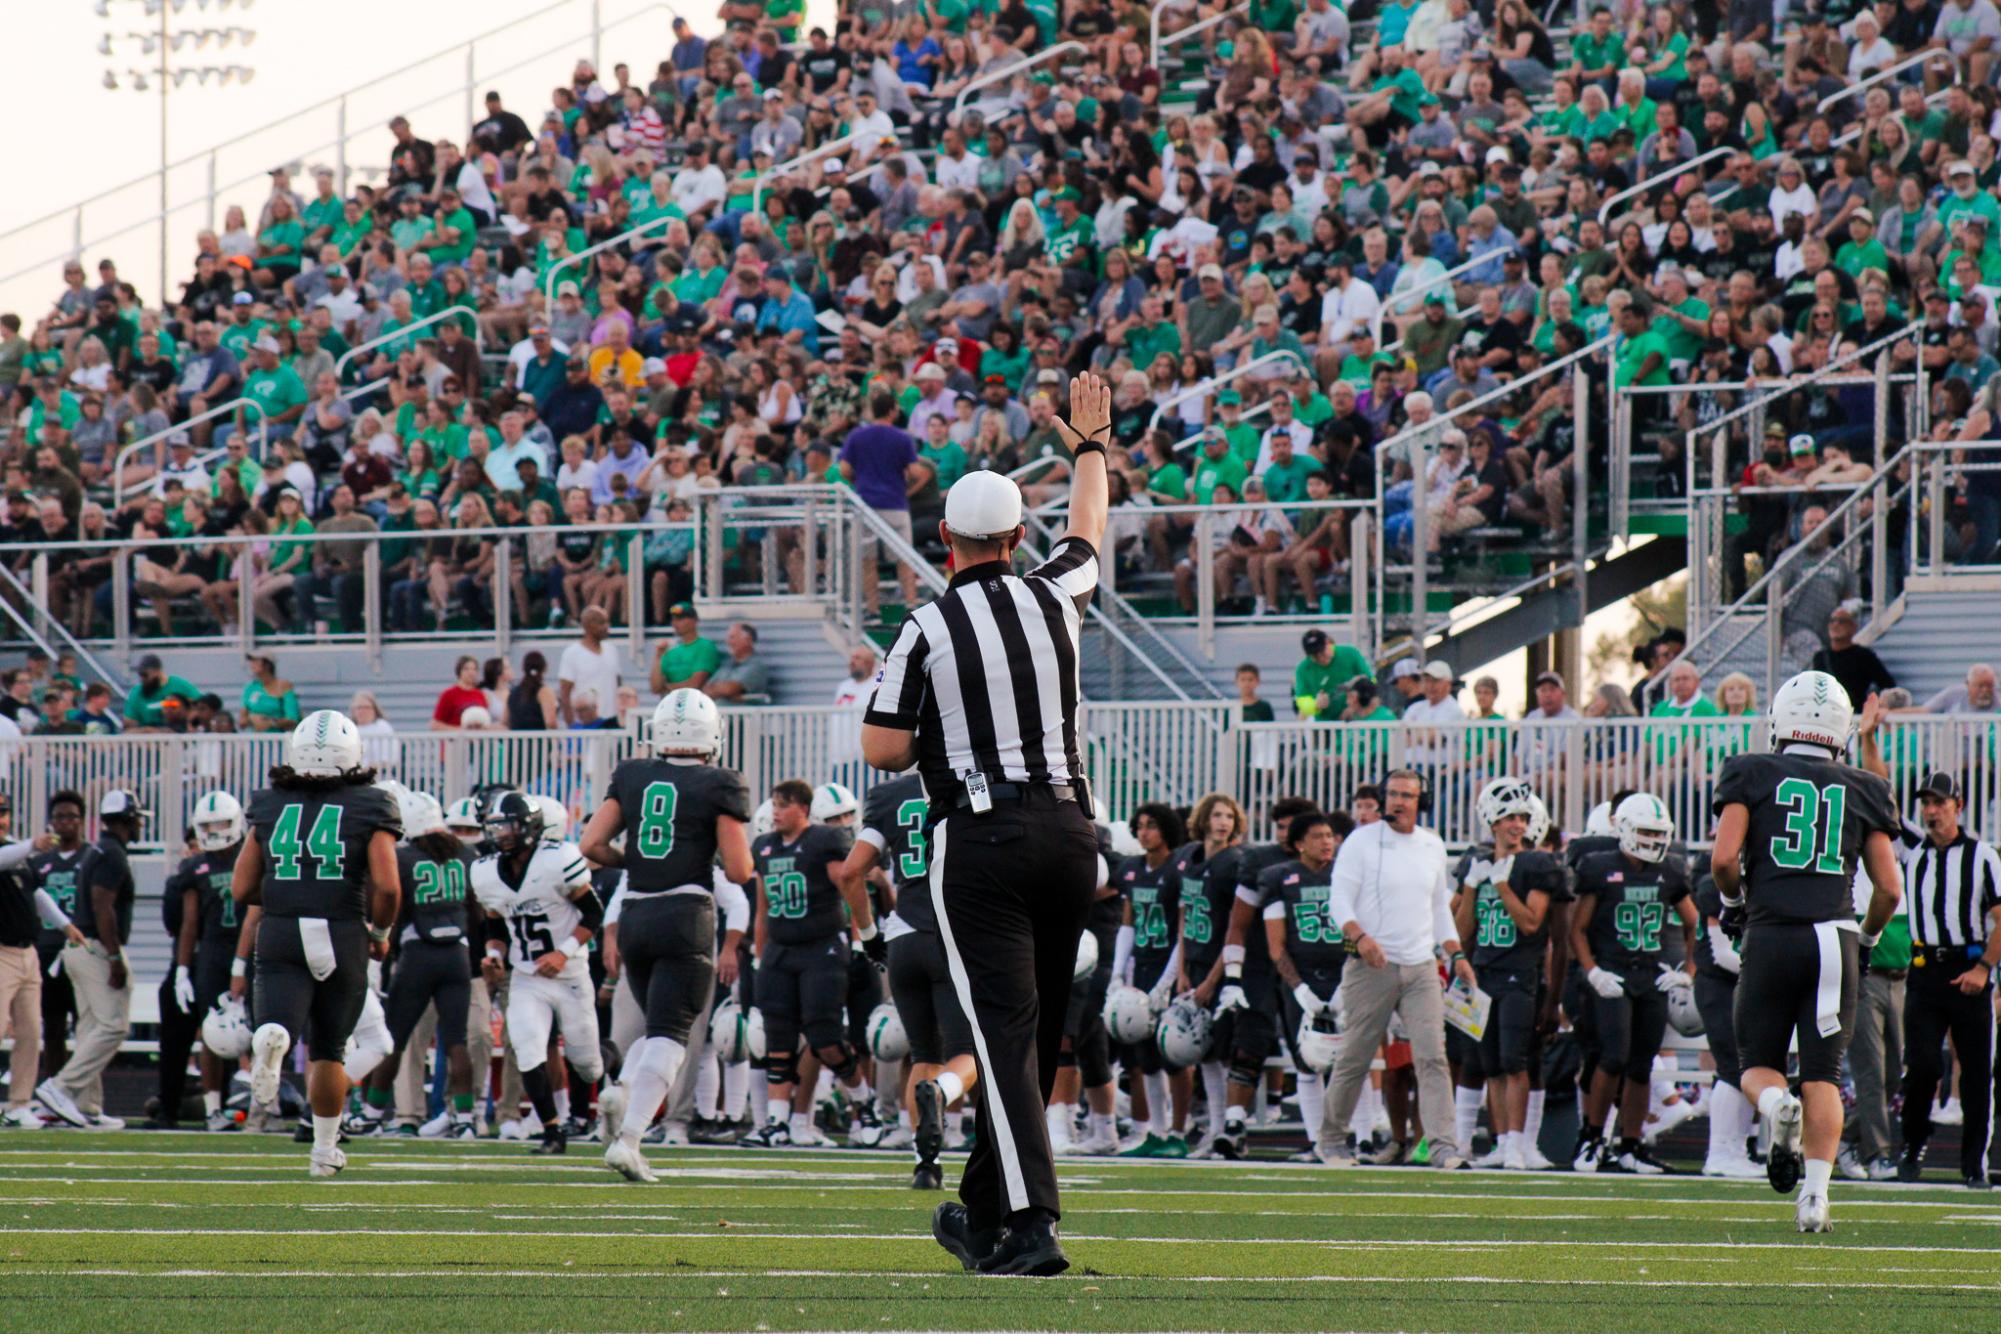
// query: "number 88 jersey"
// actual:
[[537, 908], [315, 845], [669, 814], [1809, 818]]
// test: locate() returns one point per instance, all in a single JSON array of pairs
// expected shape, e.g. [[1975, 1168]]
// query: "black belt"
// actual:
[[1016, 792], [1946, 956], [1890, 974]]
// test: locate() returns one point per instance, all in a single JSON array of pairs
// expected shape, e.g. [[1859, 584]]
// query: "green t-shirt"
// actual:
[[683, 660], [460, 221], [1633, 355], [143, 707], [1211, 473], [1072, 242], [1169, 480], [328, 213], [407, 232], [285, 238], [1245, 441], [261, 703], [949, 461], [1311, 679], [1409, 88], [1593, 53], [348, 236], [276, 391], [1144, 343], [1682, 345], [1677, 69], [282, 551], [238, 337], [1287, 481], [1854, 258]]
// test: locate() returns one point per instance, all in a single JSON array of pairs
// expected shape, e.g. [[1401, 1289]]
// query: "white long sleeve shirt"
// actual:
[[1396, 887]]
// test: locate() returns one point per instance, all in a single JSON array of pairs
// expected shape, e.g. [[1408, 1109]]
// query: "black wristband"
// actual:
[[1087, 445]]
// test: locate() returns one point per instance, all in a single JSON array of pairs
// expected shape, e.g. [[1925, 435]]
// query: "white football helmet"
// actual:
[[753, 1033], [1598, 821], [325, 744], [1538, 829], [225, 1030], [555, 818], [422, 815], [1183, 1035], [886, 1039], [463, 816], [1682, 1013], [761, 819], [1318, 1043], [1087, 957], [218, 822], [729, 1031], [1128, 1018], [1812, 709], [685, 722], [1501, 798], [831, 801], [1644, 827]]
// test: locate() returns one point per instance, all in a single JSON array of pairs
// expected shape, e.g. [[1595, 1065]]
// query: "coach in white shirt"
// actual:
[[1391, 899]]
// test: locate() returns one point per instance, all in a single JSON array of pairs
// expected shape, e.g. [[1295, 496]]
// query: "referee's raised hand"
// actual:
[[1087, 434]]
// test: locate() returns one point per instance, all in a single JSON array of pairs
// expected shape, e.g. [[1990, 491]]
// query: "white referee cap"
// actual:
[[983, 504]]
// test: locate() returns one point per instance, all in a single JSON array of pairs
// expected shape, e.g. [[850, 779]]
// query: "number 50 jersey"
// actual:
[[316, 848], [537, 908], [1809, 819], [669, 811]]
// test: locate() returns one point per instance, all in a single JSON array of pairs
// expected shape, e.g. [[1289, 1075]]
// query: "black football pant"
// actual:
[[1012, 889], [178, 1031], [1933, 1008]]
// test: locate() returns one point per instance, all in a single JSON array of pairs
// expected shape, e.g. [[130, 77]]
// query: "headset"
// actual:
[[1423, 787]]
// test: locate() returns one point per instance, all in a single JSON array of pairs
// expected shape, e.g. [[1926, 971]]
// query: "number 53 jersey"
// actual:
[[316, 848], [1809, 819], [537, 908]]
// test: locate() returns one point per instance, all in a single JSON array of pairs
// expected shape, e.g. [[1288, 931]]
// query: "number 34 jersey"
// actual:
[[537, 906], [315, 846], [1809, 820], [669, 811], [1634, 901]]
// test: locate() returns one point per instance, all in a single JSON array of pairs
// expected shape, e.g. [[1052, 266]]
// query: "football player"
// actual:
[[320, 864], [1623, 902], [1306, 949], [802, 959], [1791, 828], [1206, 868], [836, 806], [541, 914], [55, 871], [1146, 953], [1575, 998], [1084, 1061], [205, 951], [666, 821], [1502, 906]]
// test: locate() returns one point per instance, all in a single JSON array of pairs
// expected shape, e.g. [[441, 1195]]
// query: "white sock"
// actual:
[[1158, 1110], [736, 1089], [903, 1118], [1363, 1123], [1747, 1123], [326, 1131], [649, 1074], [1466, 1113], [1312, 1095], [1726, 1106], [1515, 1142], [563, 1102], [1234, 1118], [758, 1088], [1532, 1122], [859, 1091], [1216, 1091], [952, 1088], [955, 1119], [1059, 1116], [1819, 1172], [1771, 1100], [708, 1088], [211, 1103]]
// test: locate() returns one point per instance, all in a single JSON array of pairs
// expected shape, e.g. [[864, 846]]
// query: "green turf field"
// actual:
[[115, 1233]]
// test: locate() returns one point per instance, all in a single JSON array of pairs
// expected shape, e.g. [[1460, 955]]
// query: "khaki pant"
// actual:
[[1876, 1055], [1368, 997], [103, 1018], [411, 1103], [21, 1015]]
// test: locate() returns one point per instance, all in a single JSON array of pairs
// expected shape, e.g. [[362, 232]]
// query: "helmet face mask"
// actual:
[[1645, 829], [514, 823], [218, 822]]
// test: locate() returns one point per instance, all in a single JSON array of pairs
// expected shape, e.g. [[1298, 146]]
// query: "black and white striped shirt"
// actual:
[[987, 675], [1948, 891]]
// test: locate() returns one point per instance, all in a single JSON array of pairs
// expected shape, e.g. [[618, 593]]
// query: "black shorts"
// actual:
[[1715, 998], [1778, 991], [322, 1011], [802, 989], [920, 981], [1325, 982], [1509, 1045], [865, 991], [1463, 1054], [667, 949], [1577, 1001], [1631, 1027], [1253, 1030], [428, 972], [213, 958]]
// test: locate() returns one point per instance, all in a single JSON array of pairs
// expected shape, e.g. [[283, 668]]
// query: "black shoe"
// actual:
[[1029, 1249], [955, 1232], [1229, 1143], [302, 1133], [928, 1176], [554, 1142], [1977, 1181], [930, 1102], [1911, 1167]]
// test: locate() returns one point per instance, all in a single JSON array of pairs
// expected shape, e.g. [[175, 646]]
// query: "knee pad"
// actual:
[[1094, 1059], [781, 1067], [1066, 1059], [586, 1064], [840, 1058]]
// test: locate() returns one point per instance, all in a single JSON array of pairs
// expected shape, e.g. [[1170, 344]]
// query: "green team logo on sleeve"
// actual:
[[323, 843], [1814, 819], [910, 819], [656, 819], [1197, 927]]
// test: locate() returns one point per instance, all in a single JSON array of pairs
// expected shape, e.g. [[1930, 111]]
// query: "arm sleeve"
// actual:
[[591, 908], [1442, 925], [1274, 911], [1346, 886], [735, 905], [900, 684], [51, 914], [14, 854], [872, 836], [1122, 952]]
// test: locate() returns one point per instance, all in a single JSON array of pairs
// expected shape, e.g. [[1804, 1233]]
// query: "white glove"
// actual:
[[1672, 979], [1309, 1001], [375, 976], [1608, 985], [184, 990], [1162, 993], [1232, 998], [1503, 869]]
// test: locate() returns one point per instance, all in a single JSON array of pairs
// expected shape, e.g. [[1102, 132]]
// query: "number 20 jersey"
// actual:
[[1809, 819], [669, 811], [539, 911], [315, 846]]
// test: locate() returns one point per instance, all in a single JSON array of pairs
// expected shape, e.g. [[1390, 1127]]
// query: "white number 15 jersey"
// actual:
[[539, 912]]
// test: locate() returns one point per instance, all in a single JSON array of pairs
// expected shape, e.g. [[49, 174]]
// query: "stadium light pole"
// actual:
[[165, 43]]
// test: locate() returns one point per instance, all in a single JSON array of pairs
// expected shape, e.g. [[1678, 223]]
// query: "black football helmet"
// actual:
[[513, 822]]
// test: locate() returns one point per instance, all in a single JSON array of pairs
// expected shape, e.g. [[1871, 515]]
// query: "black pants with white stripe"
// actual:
[[1012, 889], [1933, 1008]]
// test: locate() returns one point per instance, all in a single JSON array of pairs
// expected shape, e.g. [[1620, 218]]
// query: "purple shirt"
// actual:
[[878, 454]]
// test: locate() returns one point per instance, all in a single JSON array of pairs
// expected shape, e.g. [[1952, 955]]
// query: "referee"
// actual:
[[1952, 887], [980, 692]]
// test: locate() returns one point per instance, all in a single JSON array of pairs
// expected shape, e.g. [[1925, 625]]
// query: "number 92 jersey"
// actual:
[[316, 847], [538, 909], [669, 812], [1809, 819], [1634, 901]]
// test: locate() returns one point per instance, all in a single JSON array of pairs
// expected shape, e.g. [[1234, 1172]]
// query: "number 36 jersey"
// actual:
[[537, 906], [315, 846], [1809, 819], [669, 811]]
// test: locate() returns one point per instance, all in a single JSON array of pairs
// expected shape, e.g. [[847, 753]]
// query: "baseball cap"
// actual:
[[119, 801], [834, 164], [930, 370], [1939, 787], [1313, 641], [1550, 679], [1210, 271], [243, 299], [1428, 169], [1405, 667], [266, 343], [1498, 155], [653, 366], [1435, 299], [680, 609], [148, 663], [179, 440], [983, 504], [1047, 376], [567, 289], [1229, 398], [538, 331], [1960, 167], [1801, 444], [1862, 213], [1438, 669]]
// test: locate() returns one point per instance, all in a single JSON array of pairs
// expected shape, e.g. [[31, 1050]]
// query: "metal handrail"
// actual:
[[557, 269], [1931, 99], [1215, 382], [1154, 43], [381, 340], [1880, 75], [777, 169], [1417, 293], [62, 632], [118, 460], [1255, 410], [1633, 191], [1007, 72]]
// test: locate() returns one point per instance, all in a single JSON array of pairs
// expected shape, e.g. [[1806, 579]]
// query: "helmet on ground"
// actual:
[[729, 1031], [326, 744], [1812, 709], [753, 1033], [1598, 822], [1501, 798], [218, 822], [225, 1030], [831, 801], [1318, 1043], [1128, 1018], [886, 1039], [685, 722], [1682, 1013], [1087, 957], [555, 817], [1183, 1035], [1644, 827], [463, 815], [1538, 829], [514, 822]]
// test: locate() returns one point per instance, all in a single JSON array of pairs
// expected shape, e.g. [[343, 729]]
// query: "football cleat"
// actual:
[[1098, 1144], [364, 1123], [1590, 1149], [897, 1137], [1392, 1154], [553, 1143], [1173, 1146], [1030, 1249], [1733, 1169], [99, 1121], [462, 1129], [1229, 1142], [436, 1127], [927, 1176], [1492, 1159], [1783, 1164], [1338, 1155], [221, 1120], [512, 1128], [326, 1162], [577, 1128], [1533, 1160], [1309, 1154], [811, 1137], [59, 1104], [955, 1232], [1912, 1166], [865, 1127], [773, 1134], [929, 1100], [1514, 1158], [404, 1127], [1949, 1114], [268, 1046], [674, 1132], [1639, 1160], [629, 1163], [1883, 1169], [21, 1118], [1850, 1165], [1811, 1215], [611, 1112], [655, 1133]]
